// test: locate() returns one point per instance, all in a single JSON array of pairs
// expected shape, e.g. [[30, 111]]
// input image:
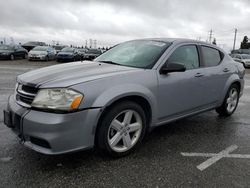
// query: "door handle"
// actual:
[[226, 70], [199, 75]]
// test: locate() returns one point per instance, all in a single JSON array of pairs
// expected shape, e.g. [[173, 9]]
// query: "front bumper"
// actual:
[[43, 58], [65, 58], [247, 64], [51, 133], [4, 56], [89, 57]]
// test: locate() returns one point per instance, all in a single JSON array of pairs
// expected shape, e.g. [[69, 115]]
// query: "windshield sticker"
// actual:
[[157, 43]]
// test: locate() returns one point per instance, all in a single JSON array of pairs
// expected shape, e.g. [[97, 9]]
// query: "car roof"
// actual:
[[176, 40], [182, 40]]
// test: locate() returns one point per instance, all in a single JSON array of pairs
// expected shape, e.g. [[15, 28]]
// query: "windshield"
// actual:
[[67, 49], [6, 47], [140, 54], [58, 47], [82, 50], [245, 56], [40, 48]]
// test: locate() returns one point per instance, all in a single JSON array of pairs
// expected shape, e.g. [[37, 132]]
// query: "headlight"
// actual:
[[57, 99], [5, 53]]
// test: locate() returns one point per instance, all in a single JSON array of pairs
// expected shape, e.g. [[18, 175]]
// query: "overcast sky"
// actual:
[[114, 21]]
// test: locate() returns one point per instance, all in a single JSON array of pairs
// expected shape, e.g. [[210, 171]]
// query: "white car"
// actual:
[[44, 53], [242, 58]]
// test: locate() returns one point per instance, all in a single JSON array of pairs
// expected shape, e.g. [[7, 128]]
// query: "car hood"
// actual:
[[6, 51], [65, 75], [38, 52], [65, 53]]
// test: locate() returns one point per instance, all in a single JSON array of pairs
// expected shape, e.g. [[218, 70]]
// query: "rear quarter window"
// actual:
[[211, 57]]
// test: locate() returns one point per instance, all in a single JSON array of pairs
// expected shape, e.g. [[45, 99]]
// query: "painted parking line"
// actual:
[[214, 157]]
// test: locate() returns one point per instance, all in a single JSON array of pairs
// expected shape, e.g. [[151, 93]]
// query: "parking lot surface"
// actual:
[[201, 151]]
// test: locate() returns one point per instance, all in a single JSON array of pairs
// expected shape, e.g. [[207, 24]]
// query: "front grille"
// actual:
[[25, 94]]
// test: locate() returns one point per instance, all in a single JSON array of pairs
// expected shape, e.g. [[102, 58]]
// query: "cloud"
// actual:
[[113, 21]]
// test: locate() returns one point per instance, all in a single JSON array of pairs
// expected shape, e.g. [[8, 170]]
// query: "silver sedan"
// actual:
[[113, 101]]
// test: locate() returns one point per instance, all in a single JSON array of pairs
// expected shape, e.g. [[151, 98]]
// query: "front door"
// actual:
[[181, 92]]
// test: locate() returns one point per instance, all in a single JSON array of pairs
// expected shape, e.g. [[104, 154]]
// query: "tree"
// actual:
[[214, 41], [244, 44]]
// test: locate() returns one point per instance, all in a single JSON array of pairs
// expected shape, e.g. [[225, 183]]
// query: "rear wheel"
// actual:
[[230, 102], [25, 56], [122, 129]]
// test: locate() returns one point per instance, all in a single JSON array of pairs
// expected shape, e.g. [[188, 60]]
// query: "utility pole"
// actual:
[[235, 34], [210, 36], [90, 43]]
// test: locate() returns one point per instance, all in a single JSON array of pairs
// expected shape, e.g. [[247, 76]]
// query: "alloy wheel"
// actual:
[[12, 57], [124, 131], [232, 100]]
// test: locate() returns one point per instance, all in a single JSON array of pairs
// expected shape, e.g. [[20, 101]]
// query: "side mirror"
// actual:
[[172, 67]]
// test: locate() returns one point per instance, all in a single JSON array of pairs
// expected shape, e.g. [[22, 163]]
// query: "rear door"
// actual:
[[18, 51], [216, 72]]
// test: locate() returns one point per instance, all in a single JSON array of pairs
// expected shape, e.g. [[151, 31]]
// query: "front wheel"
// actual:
[[230, 102], [12, 57], [122, 129]]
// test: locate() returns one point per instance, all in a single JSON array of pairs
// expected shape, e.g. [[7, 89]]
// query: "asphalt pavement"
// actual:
[[201, 151]]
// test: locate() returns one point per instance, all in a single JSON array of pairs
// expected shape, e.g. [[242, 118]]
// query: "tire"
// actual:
[[12, 57], [25, 56], [118, 136], [230, 102]]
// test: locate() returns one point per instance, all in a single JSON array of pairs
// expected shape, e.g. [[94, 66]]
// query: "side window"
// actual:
[[186, 55], [211, 56]]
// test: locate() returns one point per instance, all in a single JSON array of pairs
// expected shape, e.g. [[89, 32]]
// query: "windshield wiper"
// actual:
[[110, 62]]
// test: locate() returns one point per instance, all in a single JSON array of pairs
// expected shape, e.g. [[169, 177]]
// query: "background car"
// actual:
[[113, 101], [92, 54], [242, 58], [12, 52], [68, 54], [82, 52], [58, 48], [44, 53]]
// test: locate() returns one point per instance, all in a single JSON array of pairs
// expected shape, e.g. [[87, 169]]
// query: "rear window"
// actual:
[[211, 56]]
